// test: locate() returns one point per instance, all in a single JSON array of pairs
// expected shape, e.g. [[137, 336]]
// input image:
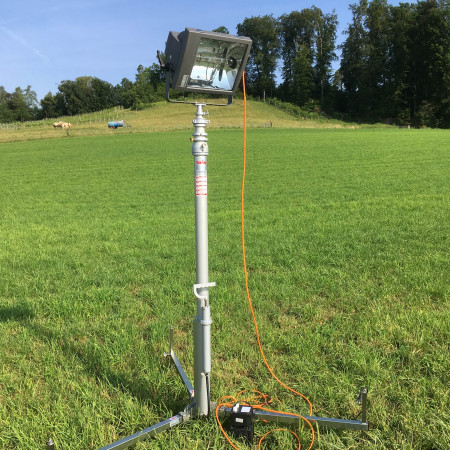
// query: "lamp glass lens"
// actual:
[[216, 65]]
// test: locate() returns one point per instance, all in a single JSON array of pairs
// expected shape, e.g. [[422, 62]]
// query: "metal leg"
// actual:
[[325, 422], [286, 418], [362, 399], [179, 367], [364, 405], [151, 431], [165, 424]]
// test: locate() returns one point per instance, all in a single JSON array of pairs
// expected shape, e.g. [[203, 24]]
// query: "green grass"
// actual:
[[347, 235]]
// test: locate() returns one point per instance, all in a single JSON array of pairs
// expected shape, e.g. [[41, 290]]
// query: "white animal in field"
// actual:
[[62, 124]]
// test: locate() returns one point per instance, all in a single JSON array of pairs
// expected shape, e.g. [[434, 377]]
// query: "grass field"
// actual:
[[347, 237]]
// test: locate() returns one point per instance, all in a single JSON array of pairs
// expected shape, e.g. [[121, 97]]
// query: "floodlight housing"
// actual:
[[206, 61]]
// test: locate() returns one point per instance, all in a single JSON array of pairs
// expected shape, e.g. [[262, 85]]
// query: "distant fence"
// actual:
[[9, 126], [99, 116]]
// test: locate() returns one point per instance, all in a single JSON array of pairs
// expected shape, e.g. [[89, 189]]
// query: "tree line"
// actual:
[[83, 95], [394, 67]]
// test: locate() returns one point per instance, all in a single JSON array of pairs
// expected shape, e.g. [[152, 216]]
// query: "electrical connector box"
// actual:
[[242, 422]]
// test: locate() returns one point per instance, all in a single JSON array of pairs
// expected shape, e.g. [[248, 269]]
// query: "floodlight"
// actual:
[[205, 61]]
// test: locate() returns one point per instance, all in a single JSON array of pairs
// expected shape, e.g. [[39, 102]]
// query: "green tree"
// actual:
[[87, 94], [149, 86], [53, 106], [75, 95], [296, 35], [325, 26], [6, 115], [124, 92], [396, 62], [48, 106], [376, 80], [262, 64], [19, 107], [30, 97], [303, 83], [104, 95], [430, 66], [308, 35], [399, 92], [222, 29], [354, 60]]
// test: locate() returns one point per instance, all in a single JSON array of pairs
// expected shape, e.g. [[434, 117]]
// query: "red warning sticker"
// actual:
[[201, 185]]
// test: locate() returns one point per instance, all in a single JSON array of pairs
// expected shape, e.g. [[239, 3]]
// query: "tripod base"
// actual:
[[191, 412]]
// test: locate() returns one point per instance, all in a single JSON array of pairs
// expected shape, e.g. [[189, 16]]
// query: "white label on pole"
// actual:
[[201, 185], [200, 165]]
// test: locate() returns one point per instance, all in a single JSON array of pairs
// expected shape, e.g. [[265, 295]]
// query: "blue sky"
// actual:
[[44, 42]]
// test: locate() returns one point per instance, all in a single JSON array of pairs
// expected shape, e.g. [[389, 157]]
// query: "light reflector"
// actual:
[[205, 61]]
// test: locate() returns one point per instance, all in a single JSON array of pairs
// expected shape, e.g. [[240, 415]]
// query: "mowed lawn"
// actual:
[[347, 240]]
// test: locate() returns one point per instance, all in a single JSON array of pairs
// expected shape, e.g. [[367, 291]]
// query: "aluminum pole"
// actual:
[[202, 321]]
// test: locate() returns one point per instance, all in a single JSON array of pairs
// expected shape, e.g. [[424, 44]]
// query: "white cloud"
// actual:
[[24, 43]]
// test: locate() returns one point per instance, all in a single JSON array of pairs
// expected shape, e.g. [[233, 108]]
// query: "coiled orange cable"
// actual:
[[266, 400]]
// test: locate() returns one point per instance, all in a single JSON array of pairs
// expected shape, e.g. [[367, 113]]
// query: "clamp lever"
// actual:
[[201, 286]]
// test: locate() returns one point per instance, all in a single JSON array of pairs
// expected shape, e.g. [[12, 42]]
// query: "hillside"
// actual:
[[163, 116]]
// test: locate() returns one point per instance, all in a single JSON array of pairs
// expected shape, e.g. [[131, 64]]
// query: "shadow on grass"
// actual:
[[90, 357], [94, 365], [15, 313]]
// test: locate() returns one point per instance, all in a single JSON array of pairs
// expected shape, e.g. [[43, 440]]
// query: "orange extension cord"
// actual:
[[265, 399]]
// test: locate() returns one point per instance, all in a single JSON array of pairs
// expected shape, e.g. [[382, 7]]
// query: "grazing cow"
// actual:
[[62, 125]]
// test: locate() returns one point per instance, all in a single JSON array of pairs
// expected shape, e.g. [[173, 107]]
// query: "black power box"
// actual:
[[242, 422]]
